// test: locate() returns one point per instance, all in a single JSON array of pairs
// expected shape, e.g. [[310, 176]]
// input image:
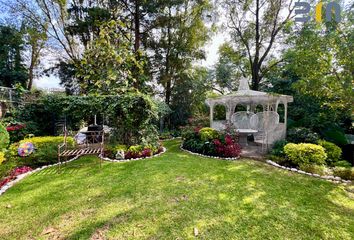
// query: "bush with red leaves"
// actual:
[[14, 173], [15, 127], [229, 149]]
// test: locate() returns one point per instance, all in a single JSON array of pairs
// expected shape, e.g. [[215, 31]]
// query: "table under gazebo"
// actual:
[[260, 117]]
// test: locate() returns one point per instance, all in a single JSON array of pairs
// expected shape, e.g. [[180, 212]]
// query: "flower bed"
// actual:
[[16, 172], [122, 152], [209, 142], [331, 178], [322, 159], [163, 150]]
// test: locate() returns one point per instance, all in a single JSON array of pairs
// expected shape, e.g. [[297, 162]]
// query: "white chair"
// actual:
[[266, 123], [242, 120]]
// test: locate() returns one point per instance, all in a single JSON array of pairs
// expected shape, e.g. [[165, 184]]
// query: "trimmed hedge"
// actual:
[[46, 151], [207, 134], [344, 173], [305, 153]]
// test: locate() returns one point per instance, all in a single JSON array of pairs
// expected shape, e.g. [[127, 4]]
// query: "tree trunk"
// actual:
[[137, 27], [136, 42], [255, 66], [34, 58]]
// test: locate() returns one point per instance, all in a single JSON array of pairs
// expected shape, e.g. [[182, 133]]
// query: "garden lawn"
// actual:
[[170, 196]]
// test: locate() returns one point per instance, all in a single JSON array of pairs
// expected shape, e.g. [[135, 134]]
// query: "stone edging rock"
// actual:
[[22, 176], [134, 159], [202, 155], [328, 178]]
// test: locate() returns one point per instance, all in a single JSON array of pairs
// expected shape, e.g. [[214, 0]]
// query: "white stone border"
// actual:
[[202, 155], [134, 159], [22, 176], [328, 178]]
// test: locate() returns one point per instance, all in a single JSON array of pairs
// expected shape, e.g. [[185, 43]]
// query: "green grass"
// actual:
[[168, 196]]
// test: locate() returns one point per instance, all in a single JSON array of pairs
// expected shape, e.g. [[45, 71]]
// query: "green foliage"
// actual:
[[207, 134], [343, 163], [121, 148], [131, 115], [12, 68], [46, 151], [189, 95], [231, 66], [4, 137], [344, 173], [136, 148], [302, 135], [310, 72], [2, 157], [106, 66], [335, 134], [333, 152], [313, 168], [278, 148], [305, 153]]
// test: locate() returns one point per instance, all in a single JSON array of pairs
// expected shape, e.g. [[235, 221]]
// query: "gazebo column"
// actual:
[[230, 109], [211, 114]]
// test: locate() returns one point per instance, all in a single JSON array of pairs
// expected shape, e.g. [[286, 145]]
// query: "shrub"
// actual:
[[165, 135], [4, 137], [207, 134], [312, 168], [2, 157], [227, 149], [302, 135], [345, 173], [305, 153], [140, 151], [46, 150], [343, 163], [209, 142], [333, 152], [278, 148]]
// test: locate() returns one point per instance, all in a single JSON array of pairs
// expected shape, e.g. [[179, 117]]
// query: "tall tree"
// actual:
[[179, 37], [12, 67], [106, 65], [318, 71], [256, 30], [35, 38]]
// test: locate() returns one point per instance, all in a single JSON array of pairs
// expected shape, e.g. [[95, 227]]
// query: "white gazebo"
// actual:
[[260, 118]]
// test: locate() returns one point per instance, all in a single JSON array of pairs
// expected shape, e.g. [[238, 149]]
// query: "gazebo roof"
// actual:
[[246, 96]]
